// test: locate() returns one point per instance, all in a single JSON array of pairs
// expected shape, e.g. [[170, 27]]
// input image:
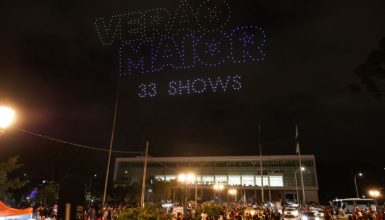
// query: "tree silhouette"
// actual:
[[372, 72], [162, 190], [8, 183]]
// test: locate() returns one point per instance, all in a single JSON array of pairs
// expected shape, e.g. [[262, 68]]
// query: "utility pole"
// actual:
[[268, 180], [298, 151], [260, 161], [196, 192], [110, 151], [144, 177]]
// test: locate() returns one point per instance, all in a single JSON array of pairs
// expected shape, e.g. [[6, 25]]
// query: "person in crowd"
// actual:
[[204, 215], [92, 213], [179, 216], [99, 214]]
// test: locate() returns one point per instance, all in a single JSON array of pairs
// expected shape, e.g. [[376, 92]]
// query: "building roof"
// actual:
[[215, 158]]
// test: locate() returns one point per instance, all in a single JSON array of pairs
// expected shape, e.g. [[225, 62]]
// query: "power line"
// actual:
[[86, 147], [164, 165], [74, 144]]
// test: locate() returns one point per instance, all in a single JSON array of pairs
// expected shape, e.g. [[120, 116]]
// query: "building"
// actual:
[[280, 174]]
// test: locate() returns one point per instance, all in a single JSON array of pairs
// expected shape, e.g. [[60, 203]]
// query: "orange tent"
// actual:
[[6, 211]]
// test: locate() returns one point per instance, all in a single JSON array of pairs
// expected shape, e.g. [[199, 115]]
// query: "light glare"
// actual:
[[374, 193], [232, 191], [6, 116], [181, 177]]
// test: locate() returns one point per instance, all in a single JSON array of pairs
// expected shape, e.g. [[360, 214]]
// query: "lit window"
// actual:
[[248, 180], [170, 177], [221, 179], [160, 178], [234, 180], [276, 180], [258, 180], [208, 179]]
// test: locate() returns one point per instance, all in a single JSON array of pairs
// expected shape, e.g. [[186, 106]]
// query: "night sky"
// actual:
[[63, 81]]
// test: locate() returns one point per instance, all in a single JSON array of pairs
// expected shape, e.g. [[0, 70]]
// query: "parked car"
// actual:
[[290, 214], [311, 216]]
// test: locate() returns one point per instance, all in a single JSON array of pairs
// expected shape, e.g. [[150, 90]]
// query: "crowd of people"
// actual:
[[360, 214], [225, 211], [236, 211], [45, 213], [91, 212], [109, 212], [242, 211]]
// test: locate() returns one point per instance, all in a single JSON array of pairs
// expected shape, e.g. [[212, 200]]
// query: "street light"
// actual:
[[296, 182], [89, 187], [7, 115], [234, 193], [374, 193], [218, 187], [355, 182], [189, 178], [182, 179], [91, 178]]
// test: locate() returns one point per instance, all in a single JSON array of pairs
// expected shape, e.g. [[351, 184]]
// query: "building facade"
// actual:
[[280, 177]]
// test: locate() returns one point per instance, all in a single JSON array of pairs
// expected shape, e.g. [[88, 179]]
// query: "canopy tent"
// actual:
[[11, 213]]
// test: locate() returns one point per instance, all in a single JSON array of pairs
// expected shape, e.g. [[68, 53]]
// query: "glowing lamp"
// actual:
[[6, 116]]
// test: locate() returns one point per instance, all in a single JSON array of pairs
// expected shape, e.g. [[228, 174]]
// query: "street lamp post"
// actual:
[[296, 186], [218, 187], [91, 178], [196, 193], [234, 193], [374, 194], [189, 179], [355, 183], [89, 186], [268, 184], [296, 182], [182, 179]]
